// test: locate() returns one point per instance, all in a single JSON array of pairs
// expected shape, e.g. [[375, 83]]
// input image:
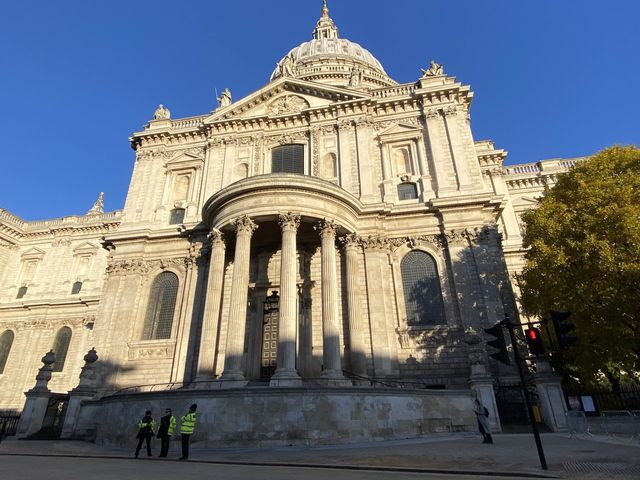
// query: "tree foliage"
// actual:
[[583, 256]]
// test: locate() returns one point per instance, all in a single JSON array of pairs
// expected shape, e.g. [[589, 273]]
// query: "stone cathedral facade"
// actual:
[[334, 227]]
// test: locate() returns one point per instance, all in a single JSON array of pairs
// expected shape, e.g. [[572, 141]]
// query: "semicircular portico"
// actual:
[[266, 196]]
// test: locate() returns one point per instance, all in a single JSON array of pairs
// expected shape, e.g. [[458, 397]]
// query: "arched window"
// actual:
[[403, 161], [422, 292], [60, 348], [181, 190], [288, 159], [160, 309], [330, 166], [407, 191], [6, 340]]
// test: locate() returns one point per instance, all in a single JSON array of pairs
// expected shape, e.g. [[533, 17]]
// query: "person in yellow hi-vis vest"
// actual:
[[187, 427], [146, 427]]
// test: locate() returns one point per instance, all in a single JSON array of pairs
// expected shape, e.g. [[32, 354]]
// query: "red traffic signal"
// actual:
[[534, 341]]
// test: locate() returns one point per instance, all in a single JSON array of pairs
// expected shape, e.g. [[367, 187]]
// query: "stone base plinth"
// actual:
[[262, 416]]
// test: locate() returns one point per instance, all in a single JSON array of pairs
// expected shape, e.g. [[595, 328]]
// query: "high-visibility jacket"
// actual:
[[188, 423], [150, 424], [172, 425]]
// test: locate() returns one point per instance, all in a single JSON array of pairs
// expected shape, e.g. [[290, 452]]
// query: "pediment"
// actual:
[[84, 248], [33, 253], [185, 158], [284, 97], [400, 130]]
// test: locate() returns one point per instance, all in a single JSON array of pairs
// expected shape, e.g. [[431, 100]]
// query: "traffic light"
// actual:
[[502, 355], [562, 328], [534, 340]]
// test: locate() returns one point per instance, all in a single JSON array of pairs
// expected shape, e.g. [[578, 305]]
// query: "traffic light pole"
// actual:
[[520, 364]]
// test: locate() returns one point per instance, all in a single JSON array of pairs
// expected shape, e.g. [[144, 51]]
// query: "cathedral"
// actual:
[[334, 242]]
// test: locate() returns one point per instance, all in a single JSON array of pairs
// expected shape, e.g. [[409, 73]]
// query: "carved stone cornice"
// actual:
[[457, 237], [152, 154], [486, 234], [432, 113], [376, 242], [244, 225], [289, 221], [287, 138], [128, 266], [346, 125], [326, 228]]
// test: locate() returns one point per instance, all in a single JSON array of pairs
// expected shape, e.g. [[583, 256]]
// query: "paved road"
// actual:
[[59, 468]]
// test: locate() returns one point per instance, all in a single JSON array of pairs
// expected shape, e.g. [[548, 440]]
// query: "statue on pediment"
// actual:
[[434, 70], [355, 79], [287, 67], [224, 100], [162, 113]]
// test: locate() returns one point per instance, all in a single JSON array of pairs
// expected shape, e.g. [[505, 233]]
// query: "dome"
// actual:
[[336, 61]]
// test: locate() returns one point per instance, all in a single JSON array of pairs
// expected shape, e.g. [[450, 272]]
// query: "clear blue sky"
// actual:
[[551, 78]]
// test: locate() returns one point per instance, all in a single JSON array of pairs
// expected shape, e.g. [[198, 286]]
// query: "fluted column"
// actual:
[[232, 375], [286, 374], [356, 324], [330, 323], [211, 317]]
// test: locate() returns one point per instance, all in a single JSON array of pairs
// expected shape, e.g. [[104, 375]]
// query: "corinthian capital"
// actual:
[[244, 224], [289, 221], [326, 228], [215, 237], [351, 240]]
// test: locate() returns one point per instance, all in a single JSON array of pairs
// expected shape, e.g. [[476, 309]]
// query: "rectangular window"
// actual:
[[22, 291], [176, 216], [288, 159]]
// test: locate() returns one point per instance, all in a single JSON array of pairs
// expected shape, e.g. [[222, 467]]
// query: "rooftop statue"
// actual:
[[162, 113], [355, 80], [224, 100], [434, 70]]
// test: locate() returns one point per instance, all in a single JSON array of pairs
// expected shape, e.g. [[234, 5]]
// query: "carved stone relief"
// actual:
[[289, 104]]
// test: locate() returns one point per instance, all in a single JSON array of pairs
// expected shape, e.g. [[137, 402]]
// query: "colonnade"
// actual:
[[286, 373]]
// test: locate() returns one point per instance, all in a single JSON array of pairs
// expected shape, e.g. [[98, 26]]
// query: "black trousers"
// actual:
[[164, 445], [185, 445], [142, 439]]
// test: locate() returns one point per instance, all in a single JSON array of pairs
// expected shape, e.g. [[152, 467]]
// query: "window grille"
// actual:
[[422, 290], [60, 348], [160, 310], [22, 291], [407, 191], [76, 287], [288, 159], [6, 340], [176, 216]]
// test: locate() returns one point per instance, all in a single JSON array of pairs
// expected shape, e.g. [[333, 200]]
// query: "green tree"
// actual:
[[583, 256]]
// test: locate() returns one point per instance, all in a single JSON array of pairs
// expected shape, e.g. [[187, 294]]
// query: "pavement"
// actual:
[[445, 456]]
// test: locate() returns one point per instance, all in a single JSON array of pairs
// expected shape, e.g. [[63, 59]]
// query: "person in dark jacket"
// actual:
[[482, 414], [146, 428], [165, 430]]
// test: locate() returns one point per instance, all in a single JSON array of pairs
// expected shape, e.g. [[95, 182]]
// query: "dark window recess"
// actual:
[[6, 340], [75, 289], [422, 291], [60, 348], [176, 216], [288, 159], [407, 191], [22, 291], [160, 309]]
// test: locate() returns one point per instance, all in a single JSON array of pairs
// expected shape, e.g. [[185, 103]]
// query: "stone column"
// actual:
[[210, 321], [330, 323], [286, 374], [356, 323], [232, 375], [35, 407], [552, 403]]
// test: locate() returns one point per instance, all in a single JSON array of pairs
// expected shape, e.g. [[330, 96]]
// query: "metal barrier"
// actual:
[[8, 424], [577, 423], [618, 422]]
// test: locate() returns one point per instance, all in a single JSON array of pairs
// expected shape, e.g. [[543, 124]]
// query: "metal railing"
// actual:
[[8, 423]]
